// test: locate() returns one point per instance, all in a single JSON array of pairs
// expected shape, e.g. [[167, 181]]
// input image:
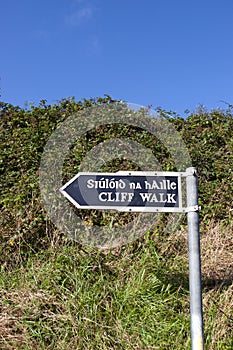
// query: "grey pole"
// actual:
[[195, 287]]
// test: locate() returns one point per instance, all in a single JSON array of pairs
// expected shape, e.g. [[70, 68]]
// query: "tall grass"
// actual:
[[135, 297]]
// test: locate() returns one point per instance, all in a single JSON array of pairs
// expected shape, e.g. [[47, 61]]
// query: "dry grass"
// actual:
[[13, 334], [217, 270], [220, 323], [217, 276], [25, 306], [217, 255], [216, 252]]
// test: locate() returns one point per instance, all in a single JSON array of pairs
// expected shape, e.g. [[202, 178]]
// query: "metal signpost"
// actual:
[[195, 288], [139, 191]]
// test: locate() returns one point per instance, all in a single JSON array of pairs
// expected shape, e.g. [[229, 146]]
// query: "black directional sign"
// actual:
[[126, 191]]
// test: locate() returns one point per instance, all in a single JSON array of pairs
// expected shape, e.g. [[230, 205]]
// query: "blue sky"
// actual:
[[172, 54]]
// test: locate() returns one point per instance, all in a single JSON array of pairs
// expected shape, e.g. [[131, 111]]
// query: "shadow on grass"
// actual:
[[216, 283], [180, 281]]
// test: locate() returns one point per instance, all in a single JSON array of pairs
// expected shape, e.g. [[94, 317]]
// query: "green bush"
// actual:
[[24, 133]]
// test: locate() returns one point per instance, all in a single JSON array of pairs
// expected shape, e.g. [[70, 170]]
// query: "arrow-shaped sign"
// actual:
[[126, 191]]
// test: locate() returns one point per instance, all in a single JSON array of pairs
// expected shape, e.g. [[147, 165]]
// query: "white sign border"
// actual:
[[131, 209]]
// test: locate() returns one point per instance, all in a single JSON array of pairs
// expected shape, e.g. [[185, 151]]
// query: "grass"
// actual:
[[134, 297]]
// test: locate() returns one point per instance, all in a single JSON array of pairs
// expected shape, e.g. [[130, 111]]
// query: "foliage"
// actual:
[[208, 136]]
